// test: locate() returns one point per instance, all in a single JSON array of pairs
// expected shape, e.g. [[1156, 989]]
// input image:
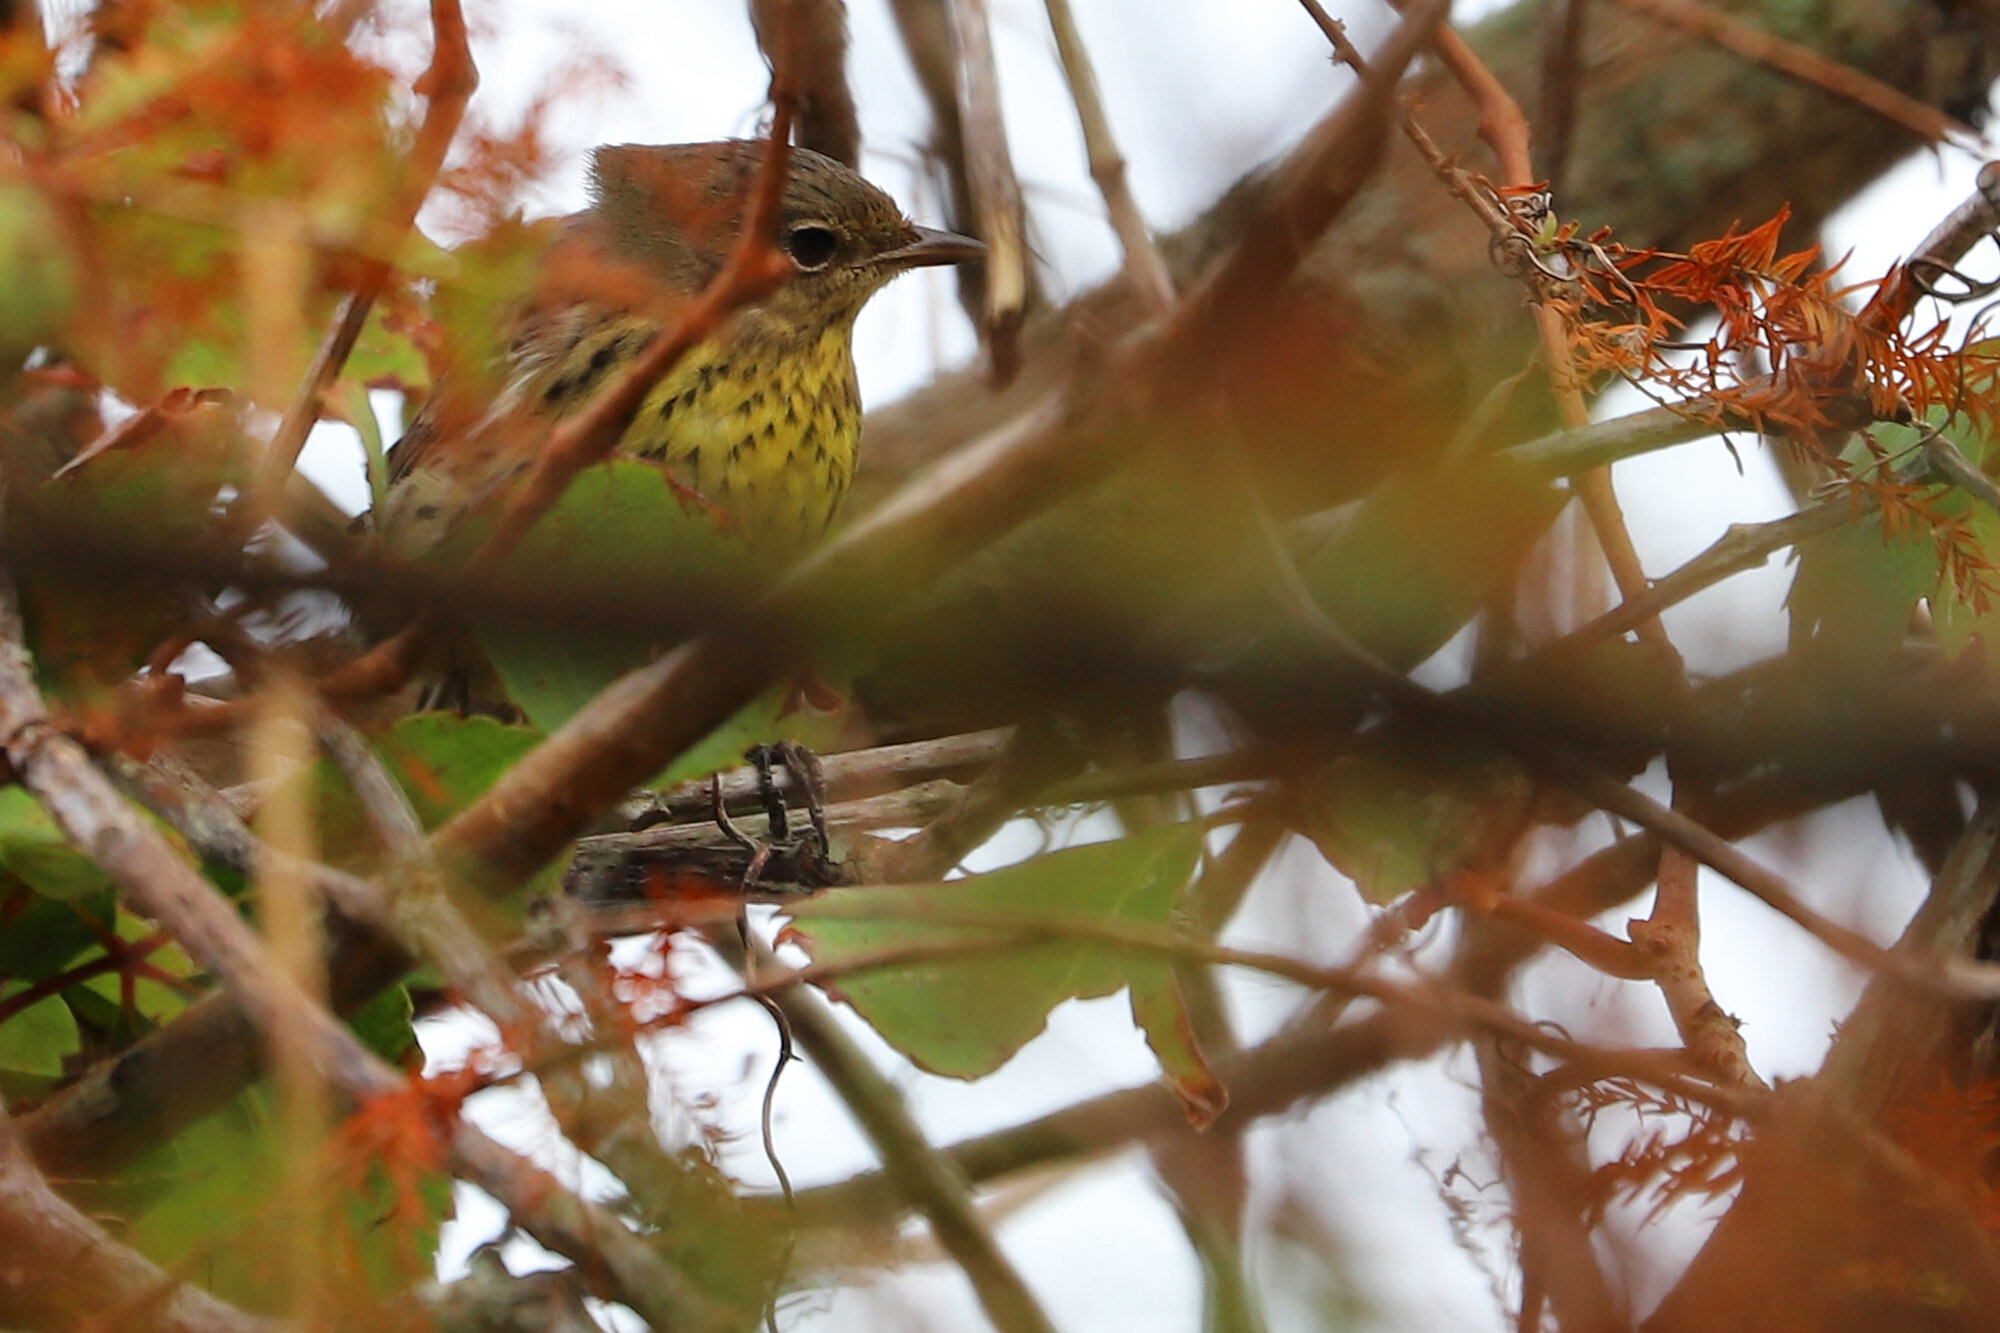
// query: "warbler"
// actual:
[[762, 418]]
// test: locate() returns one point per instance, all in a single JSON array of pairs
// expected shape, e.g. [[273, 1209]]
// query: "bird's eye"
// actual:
[[811, 247]]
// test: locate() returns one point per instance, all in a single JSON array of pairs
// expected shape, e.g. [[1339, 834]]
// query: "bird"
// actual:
[[761, 419]]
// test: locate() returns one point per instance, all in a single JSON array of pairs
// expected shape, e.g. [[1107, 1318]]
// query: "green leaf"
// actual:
[[37, 1039], [442, 762], [1414, 561], [35, 851], [220, 1201], [386, 1024], [964, 1011], [621, 570], [1857, 587], [43, 934], [1854, 592], [446, 762], [1415, 809]]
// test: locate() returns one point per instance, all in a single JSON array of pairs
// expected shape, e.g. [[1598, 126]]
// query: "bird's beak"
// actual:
[[929, 246]]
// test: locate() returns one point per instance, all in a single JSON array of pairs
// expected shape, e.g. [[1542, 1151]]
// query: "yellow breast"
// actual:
[[767, 431]]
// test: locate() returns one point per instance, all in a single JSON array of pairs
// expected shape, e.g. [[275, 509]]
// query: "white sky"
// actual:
[[1198, 92]]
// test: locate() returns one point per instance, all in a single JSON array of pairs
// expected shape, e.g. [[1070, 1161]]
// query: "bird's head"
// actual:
[[677, 212]]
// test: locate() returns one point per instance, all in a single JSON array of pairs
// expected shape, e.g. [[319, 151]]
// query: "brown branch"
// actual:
[[448, 84], [1892, 1038], [827, 122], [929, 1179], [64, 1271], [1742, 547], [1335, 32], [1144, 268], [611, 1120], [1808, 66], [1976, 217], [849, 775], [996, 193], [925, 27], [1968, 981], [1034, 758], [217, 832], [1541, 1157], [612, 866], [164, 888]]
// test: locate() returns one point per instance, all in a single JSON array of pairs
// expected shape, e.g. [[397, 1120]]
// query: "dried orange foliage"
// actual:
[[1788, 352], [406, 1136], [1792, 353], [1687, 1152]]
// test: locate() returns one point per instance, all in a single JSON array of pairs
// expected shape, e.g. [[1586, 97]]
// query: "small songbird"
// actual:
[[761, 419]]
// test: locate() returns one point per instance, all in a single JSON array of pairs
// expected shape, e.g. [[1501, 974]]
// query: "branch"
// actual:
[[929, 1179], [1976, 217], [925, 27], [827, 122], [996, 194], [1144, 268], [448, 85], [164, 888], [1743, 547], [1808, 66], [64, 1272]]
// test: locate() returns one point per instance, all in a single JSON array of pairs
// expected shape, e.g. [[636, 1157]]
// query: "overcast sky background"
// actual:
[[1199, 91]]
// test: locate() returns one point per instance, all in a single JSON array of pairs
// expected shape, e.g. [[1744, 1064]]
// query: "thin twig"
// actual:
[[1144, 268], [1945, 455], [1976, 217], [817, 32], [849, 775], [1034, 758], [1810, 67], [1740, 548], [925, 27], [1566, 452], [64, 1271], [996, 192], [448, 84], [931, 1180]]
